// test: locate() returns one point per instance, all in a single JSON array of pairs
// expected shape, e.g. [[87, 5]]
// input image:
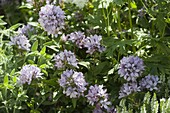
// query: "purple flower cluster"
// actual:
[[128, 88], [26, 30], [149, 82], [131, 68], [99, 97], [64, 58], [91, 43], [78, 38], [29, 72], [51, 18], [73, 83], [21, 41]]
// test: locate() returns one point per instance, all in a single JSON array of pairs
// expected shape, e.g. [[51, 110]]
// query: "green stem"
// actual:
[[163, 32], [130, 18], [15, 105], [6, 108], [107, 19], [119, 22]]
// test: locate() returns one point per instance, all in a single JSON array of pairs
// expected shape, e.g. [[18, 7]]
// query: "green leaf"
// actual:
[[99, 68], [119, 2], [43, 50], [34, 111], [36, 24], [85, 64], [74, 102], [12, 72], [167, 106], [35, 46], [6, 80], [133, 5], [154, 104], [143, 109], [14, 27], [162, 105], [2, 22], [147, 98]]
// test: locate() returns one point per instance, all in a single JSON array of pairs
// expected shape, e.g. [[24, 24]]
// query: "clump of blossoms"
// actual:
[[92, 43], [128, 88], [73, 83], [149, 82], [64, 58], [21, 41], [78, 38], [99, 97], [131, 68], [51, 18], [25, 30], [28, 73]]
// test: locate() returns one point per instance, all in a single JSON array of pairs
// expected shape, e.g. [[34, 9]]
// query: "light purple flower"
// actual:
[[99, 97], [97, 94], [92, 44], [26, 29], [51, 18], [128, 88], [78, 38], [65, 58], [98, 109], [29, 72], [21, 41], [149, 82], [131, 68], [73, 83], [111, 109]]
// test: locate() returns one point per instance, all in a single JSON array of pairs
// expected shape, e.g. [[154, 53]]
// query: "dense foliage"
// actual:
[[84, 56]]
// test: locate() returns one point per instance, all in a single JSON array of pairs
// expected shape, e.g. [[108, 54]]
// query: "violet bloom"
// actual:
[[73, 83], [131, 68], [51, 18], [78, 38], [21, 41], [65, 58], [26, 30], [92, 44], [128, 88], [149, 82], [29, 72], [98, 95]]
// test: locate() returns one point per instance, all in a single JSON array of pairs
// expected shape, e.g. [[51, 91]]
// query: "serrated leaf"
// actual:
[[147, 97], [154, 104], [162, 105], [143, 109]]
